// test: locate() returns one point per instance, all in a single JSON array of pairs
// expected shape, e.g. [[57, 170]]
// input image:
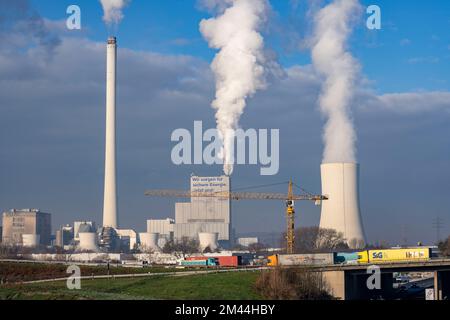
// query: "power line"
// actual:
[[438, 224]]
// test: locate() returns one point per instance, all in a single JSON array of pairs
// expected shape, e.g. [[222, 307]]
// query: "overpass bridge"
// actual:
[[349, 282]]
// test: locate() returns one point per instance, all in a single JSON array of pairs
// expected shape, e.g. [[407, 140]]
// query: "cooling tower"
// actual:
[[340, 182], [88, 241], [208, 240], [110, 196], [149, 241], [30, 240]]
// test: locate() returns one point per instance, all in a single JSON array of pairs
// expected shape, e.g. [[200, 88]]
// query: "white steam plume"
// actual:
[[332, 28], [238, 66], [113, 10]]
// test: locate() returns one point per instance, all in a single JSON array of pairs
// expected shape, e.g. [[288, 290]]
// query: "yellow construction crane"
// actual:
[[290, 199], [290, 217]]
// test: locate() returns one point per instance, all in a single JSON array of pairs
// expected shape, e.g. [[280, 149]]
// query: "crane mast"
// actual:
[[290, 217]]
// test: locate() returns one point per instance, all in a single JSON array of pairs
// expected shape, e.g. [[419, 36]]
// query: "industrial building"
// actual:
[[78, 224], [201, 215], [129, 238], [246, 242], [64, 236], [205, 214], [163, 227], [26, 223]]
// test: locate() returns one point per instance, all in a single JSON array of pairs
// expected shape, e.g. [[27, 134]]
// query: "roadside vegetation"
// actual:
[[289, 284], [444, 247]]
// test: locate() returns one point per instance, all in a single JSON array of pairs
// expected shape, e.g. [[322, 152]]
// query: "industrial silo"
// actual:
[[88, 241], [149, 241], [340, 183], [208, 240]]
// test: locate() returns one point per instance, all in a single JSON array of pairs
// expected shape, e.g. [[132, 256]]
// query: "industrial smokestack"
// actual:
[[340, 182], [110, 196]]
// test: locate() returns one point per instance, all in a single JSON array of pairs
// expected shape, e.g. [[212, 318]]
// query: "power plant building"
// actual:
[[164, 227], [17, 223], [246, 242], [64, 236], [205, 214]]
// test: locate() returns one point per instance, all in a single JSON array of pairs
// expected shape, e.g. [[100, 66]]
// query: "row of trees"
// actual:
[[318, 240], [182, 247], [187, 246]]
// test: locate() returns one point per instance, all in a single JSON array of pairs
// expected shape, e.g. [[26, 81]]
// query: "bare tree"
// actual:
[[146, 249], [315, 239], [330, 240], [378, 245], [183, 246], [444, 247], [356, 243]]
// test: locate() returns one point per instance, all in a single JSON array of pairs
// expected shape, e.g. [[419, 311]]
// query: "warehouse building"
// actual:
[[17, 223]]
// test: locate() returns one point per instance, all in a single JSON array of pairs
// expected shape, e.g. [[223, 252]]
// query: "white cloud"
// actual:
[[412, 102]]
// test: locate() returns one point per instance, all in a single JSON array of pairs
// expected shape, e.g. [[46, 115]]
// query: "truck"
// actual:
[[313, 259], [395, 255], [207, 262]]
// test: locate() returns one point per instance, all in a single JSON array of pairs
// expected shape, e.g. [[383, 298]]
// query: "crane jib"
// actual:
[[232, 195]]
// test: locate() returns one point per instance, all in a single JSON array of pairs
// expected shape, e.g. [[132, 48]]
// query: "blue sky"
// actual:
[[52, 113], [412, 46]]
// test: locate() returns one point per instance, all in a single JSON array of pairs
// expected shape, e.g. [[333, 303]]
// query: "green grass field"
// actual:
[[227, 286]]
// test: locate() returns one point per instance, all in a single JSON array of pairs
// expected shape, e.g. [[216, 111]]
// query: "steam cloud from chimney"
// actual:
[[113, 10], [332, 28], [239, 64]]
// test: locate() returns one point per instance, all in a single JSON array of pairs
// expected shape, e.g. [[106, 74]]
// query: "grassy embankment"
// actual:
[[12, 272], [234, 285]]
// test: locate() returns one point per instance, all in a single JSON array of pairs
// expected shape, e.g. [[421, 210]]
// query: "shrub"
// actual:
[[289, 284]]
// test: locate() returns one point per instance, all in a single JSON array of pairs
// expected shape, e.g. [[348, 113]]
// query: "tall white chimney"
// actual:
[[340, 182], [110, 196]]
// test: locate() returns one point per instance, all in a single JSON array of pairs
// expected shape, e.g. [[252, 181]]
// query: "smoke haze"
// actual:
[[332, 28], [238, 66], [113, 11]]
